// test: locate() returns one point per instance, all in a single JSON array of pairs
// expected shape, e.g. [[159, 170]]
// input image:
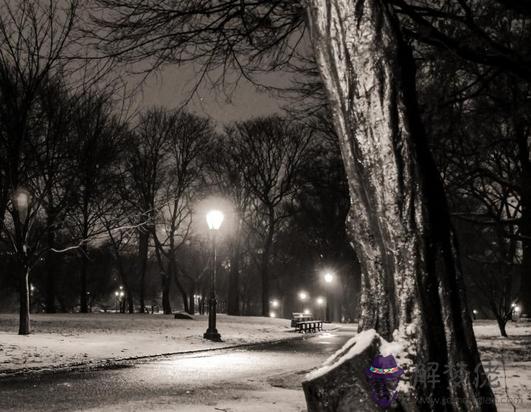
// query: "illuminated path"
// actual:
[[265, 378]]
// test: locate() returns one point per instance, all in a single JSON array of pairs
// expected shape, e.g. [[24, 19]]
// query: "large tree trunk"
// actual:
[[399, 224], [143, 243], [502, 322], [24, 300]]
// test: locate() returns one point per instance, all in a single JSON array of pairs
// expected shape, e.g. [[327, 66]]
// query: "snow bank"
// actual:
[[70, 339], [353, 347]]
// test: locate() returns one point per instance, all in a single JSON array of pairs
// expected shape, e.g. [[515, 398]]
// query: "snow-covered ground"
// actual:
[[507, 361], [69, 339]]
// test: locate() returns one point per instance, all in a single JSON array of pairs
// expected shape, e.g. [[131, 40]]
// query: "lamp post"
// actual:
[[21, 202], [515, 312], [303, 296], [122, 301], [320, 301], [328, 278], [214, 220], [275, 304], [32, 290]]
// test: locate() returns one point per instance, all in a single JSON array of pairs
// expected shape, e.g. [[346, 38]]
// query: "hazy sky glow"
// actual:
[[172, 86]]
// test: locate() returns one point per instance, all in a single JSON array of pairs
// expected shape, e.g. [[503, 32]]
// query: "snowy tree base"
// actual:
[[340, 385]]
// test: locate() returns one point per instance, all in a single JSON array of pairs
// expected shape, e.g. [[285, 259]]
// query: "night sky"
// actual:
[[172, 86]]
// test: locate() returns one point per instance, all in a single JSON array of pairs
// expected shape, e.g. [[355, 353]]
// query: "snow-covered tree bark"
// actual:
[[398, 222]]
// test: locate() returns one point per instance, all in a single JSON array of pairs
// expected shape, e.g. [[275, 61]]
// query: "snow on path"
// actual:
[[507, 362]]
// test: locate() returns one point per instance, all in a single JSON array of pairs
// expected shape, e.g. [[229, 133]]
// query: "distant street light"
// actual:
[[515, 312], [116, 295], [474, 314], [272, 314], [306, 311], [89, 301], [21, 200], [32, 291], [328, 278], [276, 305], [303, 297], [214, 220]]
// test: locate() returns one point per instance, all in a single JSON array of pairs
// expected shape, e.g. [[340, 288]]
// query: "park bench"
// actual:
[[305, 323], [309, 326], [297, 317]]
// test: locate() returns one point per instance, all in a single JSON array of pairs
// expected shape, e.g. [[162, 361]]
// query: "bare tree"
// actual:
[[52, 171], [188, 138], [97, 134], [146, 156], [270, 152], [33, 38]]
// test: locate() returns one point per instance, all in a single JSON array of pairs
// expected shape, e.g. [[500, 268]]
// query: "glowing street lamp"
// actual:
[[329, 279], [516, 313], [272, 314], [116, 299], [21, 201], [306, 311], [214, 220], [303, 297]]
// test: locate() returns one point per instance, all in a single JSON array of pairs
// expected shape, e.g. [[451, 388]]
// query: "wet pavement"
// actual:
[[265, 377]]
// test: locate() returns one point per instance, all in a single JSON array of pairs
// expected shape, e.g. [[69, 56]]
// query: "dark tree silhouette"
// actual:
[[33, 39], [271, 153]]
